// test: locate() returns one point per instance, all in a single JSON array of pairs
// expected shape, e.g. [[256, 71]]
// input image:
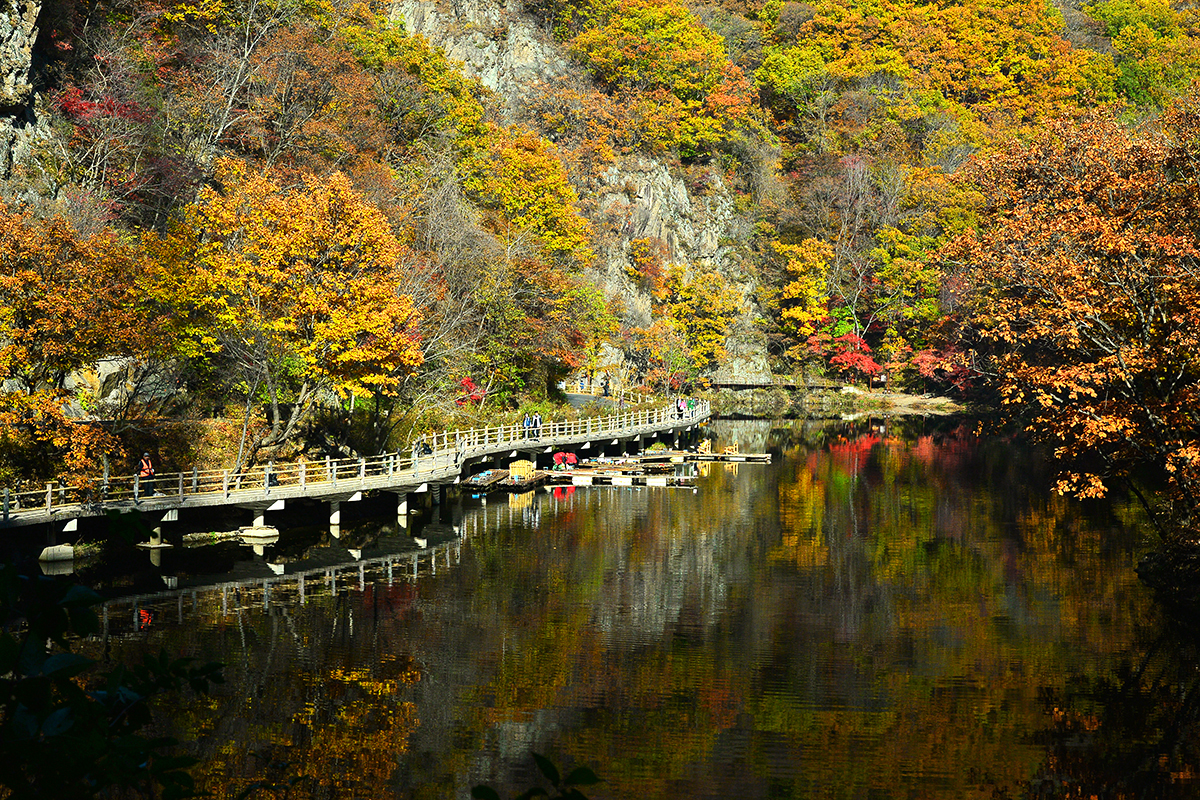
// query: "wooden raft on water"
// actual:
[[486, 481]]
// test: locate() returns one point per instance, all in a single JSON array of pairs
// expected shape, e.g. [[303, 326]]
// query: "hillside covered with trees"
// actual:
[[240, 229]]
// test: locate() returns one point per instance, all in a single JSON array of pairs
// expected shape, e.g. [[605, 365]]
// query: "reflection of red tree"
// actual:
[[722, 703], [949, 451], [851, 455], [924, 451], [397, 599]]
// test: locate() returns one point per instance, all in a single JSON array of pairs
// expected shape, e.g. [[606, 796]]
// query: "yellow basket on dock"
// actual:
[[520, 470]]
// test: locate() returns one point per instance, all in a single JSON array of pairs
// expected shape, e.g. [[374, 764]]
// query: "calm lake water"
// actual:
[[896, 610]]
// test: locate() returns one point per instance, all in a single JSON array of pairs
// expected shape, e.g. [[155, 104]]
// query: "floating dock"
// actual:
[[655, 469], [687, 456], [598, 477]]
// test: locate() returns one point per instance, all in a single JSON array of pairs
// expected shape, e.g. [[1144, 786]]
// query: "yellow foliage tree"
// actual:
[[804, 302], [301, 291], [518, 174], [703, 309]]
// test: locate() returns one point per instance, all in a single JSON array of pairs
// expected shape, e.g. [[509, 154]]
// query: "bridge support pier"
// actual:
[[53, 551], [259, 511], [335, 512], [451, 503], [156, 544]]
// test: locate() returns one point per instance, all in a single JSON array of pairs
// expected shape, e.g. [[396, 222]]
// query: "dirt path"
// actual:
[[901, 403]]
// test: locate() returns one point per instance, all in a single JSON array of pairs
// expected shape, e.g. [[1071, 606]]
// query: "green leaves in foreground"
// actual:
[[65, 733], [563, 787]]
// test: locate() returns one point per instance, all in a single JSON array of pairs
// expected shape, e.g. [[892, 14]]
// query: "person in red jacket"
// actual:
[[146, 475]]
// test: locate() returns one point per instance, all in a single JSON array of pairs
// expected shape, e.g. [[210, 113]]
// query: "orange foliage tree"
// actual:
[[65, 302], [1086, 302], [309, 103]]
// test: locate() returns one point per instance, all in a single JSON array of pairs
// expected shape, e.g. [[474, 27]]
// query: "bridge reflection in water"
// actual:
[[435, 547]]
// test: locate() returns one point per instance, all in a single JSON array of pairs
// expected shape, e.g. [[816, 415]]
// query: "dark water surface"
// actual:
[[897, 612]]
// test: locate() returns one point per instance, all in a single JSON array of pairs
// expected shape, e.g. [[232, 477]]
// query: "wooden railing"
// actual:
[[446, 449], [597, 390]]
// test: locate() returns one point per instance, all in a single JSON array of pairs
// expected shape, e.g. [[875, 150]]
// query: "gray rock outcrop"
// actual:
[[18, 34], [498, 44]]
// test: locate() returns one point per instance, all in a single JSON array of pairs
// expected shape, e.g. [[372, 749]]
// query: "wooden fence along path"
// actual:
[[332, 478]]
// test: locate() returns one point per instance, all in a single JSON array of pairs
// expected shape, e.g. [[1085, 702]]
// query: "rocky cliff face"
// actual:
[[634, 198], [18, 33], [501, 46]]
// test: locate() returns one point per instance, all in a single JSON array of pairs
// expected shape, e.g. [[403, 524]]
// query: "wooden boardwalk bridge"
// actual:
[[450, 457]]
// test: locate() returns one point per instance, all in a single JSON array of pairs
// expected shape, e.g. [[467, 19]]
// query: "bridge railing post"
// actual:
[[137, 487], [6, 504], [195, 479], [225, 483]]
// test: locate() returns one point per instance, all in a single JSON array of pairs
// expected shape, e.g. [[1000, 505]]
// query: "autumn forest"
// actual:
[[238, 230]]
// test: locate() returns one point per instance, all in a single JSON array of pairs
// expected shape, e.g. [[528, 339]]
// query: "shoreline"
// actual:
[[828, 403]]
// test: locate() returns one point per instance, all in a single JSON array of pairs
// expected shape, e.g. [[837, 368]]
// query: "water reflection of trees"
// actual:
[[317, 703], [933, 575], [876, 611], [1131, 733]]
